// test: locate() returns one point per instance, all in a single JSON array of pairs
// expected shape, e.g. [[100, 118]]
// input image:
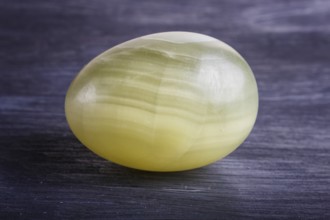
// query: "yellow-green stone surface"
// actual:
[[164, 102]]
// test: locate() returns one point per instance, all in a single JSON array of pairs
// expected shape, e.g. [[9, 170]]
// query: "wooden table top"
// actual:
[[281, 171]]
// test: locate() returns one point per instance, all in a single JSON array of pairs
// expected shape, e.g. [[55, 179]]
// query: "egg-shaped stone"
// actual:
[[169, 101]]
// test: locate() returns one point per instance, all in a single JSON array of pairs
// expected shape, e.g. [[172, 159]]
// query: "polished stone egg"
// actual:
[[168, 101]]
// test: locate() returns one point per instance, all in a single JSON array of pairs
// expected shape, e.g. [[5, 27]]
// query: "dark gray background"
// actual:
[[281, 171]]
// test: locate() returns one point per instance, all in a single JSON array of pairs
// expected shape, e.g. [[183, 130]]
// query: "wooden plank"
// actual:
[[281, 171]]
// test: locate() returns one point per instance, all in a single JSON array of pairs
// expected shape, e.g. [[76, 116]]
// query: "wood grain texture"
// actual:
[[281, 171]]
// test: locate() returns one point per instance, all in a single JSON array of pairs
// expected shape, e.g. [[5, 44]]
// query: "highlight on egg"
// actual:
[[168, 101]]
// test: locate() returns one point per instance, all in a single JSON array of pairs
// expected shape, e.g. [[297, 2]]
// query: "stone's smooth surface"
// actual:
[[164, 102]]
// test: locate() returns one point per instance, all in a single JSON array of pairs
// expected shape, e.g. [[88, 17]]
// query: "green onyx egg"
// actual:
[[169, 101]]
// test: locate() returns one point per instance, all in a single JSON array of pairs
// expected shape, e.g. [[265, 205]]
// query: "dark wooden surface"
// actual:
[[281, 171]]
